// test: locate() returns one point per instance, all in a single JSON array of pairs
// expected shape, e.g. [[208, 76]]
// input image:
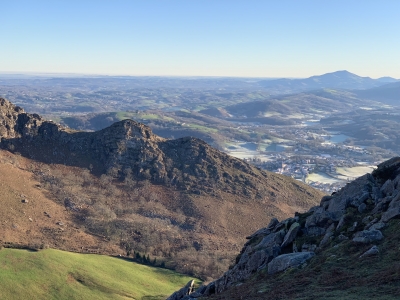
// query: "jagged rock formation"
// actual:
[[128, 147], [356, 213]]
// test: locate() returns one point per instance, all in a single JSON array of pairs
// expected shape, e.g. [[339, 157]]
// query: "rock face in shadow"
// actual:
[[293, 242], [129, 147]]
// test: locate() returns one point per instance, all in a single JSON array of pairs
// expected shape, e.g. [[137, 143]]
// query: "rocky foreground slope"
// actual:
[[350, 240]]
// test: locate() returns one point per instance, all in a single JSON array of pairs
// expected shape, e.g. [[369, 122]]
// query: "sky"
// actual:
[[238, 38]]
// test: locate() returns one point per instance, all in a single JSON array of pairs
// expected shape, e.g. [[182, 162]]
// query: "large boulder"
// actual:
[[387, 188], [285, 261], [291, 234], [368, 236], [390, 214]]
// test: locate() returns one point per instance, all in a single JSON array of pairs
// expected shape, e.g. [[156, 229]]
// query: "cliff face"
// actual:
[[351, 226], [128, 147]]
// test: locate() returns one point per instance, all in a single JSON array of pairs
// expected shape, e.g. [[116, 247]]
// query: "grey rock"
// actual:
[[338, 204], [378, 226], [325, 201], [353, 228], [372, 251], [285, 261], [321, 219], [342, 237], [376, 193], [315, 231], [341, 223], [378, 208], [313, 209], [361, 208], [371, 223], [273, 239], [359, 200], [390, 214], [291, 234], [308, 247], [368, 236], [396, 182], [387, 188], [366, 220], [342, 199], [273, 223], [327, 237], [395, 201]]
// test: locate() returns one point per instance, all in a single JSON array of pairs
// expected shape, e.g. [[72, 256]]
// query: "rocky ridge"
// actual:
[[129, 148], [356, 214]]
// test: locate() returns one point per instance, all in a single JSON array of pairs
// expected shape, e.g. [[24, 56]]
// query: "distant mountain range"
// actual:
[[335, 80]]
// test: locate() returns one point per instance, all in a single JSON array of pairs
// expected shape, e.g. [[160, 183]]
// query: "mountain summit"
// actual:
[[335, 80]]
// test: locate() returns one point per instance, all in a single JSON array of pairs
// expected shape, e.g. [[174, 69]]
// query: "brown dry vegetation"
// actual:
[[196, 234], [29, 216]]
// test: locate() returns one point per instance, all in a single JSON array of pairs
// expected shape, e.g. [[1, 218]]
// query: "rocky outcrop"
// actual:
[[295, 241]]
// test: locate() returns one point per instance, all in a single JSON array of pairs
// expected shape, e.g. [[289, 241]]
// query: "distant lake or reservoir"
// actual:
[[336, 138], [311, 122], [249, 146], [277, 147]]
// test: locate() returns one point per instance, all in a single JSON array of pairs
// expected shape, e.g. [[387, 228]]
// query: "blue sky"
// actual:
[[249, 38]]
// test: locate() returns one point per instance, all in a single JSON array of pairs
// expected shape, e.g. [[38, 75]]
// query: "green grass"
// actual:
[[54, 274], [202, 128]]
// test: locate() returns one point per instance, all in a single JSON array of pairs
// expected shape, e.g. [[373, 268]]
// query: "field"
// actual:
[[354, 172], [54, 274], [321, 177]]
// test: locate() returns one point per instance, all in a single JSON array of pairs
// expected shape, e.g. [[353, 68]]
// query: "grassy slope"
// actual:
[[54, 274]]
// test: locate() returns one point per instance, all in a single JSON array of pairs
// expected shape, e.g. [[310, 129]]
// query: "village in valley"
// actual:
[[316, 158]]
